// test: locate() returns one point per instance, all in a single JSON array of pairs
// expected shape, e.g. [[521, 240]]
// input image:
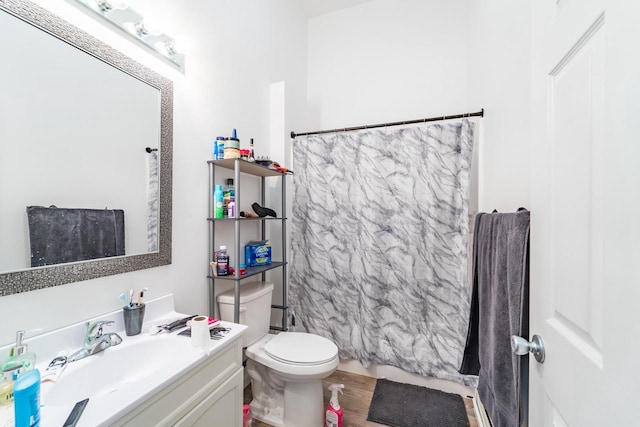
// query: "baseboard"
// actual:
[[398, 375], [478, 409]]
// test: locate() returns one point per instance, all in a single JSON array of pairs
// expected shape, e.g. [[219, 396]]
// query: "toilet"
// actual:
[[286, 369]]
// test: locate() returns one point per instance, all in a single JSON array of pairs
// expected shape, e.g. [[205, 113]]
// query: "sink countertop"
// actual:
[[163, 368]]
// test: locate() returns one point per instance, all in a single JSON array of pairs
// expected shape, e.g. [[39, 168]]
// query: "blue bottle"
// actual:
[[26, 399], [218, 148]]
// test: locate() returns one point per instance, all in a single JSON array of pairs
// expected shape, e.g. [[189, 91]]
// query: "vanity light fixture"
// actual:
[[109, 5], [118, 13]]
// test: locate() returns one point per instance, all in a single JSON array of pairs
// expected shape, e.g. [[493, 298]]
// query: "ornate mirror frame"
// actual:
[[43, 277]]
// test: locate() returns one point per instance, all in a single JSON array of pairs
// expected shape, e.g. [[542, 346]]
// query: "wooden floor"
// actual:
[[358, 392]]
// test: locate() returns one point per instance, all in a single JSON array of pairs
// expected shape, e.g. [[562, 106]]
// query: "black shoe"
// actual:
[[262, 211]]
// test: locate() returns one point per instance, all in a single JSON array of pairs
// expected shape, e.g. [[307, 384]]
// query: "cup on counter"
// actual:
[[133, 318]]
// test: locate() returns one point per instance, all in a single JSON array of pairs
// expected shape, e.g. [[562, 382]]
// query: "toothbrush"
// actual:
[[141, 294], [124, 299], [130, 297]]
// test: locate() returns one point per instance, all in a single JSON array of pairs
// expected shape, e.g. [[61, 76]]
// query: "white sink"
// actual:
[[137, 360]]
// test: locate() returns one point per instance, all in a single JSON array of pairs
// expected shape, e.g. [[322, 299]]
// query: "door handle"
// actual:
[[521, 346]]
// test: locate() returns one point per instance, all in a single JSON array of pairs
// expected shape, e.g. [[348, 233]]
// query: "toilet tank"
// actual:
[[255, 309]]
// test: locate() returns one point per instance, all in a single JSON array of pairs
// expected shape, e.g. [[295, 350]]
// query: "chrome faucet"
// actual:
[[95, 341]]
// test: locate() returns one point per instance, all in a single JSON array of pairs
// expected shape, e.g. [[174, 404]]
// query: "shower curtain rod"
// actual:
[[410, 122]]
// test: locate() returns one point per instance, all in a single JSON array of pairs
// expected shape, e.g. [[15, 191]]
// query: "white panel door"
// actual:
[[585, 212]]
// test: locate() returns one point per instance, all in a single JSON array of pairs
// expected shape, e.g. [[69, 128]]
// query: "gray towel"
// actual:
[[60, 235], [499, 309]]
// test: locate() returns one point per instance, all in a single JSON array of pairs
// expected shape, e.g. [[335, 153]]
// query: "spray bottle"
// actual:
[[334, 411]]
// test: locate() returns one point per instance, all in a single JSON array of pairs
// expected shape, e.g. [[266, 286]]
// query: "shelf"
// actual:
[[251, 271], [242, 167], [246, 167], [247, 219]]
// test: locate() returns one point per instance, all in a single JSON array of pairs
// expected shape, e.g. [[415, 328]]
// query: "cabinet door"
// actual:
[[223, 407]]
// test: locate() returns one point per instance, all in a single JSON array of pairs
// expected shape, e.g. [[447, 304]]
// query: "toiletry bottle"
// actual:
[[334, 411], [20, 360], [218, 148], [220, 142], [222, 265], [6, 389], [7, 415], [26, 398], [252, 156], [231, 209], [229, 196], [218, 201]]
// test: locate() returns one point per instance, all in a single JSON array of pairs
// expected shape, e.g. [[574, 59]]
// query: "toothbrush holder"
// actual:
[[133, 318]]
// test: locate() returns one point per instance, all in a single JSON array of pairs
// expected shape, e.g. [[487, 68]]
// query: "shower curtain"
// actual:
[[379, 244]]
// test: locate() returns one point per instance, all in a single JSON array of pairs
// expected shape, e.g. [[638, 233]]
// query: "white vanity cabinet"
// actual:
[[210, 394], [147, 380]]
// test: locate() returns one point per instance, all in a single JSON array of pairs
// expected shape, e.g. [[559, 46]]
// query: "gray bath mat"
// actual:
[[406, 405]]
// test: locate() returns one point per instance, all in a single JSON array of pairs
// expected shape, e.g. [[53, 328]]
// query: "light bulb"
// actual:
[[182, 44], [151, 26], [119, 4], [109, 5], [165, 48]]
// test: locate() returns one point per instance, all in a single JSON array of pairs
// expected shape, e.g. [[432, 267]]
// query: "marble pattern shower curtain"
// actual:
[[379, 244]]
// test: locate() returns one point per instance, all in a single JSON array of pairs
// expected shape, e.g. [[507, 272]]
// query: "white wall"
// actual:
[[500, 81], [398, 60], [388, 60], [237, 50]]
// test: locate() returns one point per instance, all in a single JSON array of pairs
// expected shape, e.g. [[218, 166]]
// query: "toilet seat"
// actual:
[[293, 371], [298, 348]]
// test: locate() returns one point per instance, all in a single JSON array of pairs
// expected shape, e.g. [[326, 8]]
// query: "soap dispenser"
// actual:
[[20, 360]]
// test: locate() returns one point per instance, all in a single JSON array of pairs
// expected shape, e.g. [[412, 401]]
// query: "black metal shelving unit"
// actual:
[[241, 167]]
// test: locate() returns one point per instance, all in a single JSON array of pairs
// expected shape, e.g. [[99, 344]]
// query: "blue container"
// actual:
[[220, 148], [26, 399], [257, 252]]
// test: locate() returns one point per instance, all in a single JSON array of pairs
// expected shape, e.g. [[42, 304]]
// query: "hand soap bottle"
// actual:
[[20, 360]]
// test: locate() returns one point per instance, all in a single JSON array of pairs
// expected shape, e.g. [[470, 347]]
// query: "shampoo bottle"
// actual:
[[26, 398], [334, 411], [252, 156], [218, 201], [218, 148], [228, 195]]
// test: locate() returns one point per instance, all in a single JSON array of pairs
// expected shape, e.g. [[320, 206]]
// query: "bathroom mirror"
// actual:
[[76, 117]]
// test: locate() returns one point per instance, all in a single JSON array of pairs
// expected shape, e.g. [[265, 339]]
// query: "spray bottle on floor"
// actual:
[[334, 411]]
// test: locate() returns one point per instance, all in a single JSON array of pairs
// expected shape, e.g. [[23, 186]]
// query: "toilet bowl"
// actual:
[[286, 369], [286, 372]]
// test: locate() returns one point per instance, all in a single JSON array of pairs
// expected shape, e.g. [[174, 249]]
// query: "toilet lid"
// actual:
[[301, 348]]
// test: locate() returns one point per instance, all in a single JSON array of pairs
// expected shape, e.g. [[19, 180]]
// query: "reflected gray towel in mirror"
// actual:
[[61, 235]]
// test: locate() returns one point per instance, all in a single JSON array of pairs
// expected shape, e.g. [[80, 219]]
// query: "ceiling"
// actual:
[[315, 8]]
